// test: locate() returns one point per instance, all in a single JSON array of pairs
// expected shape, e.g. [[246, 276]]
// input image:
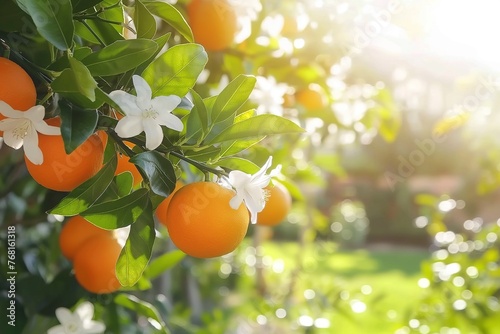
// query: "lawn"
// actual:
[[345, 291]]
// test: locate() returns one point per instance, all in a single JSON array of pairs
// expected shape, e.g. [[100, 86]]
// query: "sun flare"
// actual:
[[467, 29]]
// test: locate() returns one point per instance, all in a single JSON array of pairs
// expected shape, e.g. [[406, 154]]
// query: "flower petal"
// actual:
[[46, 129], [10, 124], [8, 111], [236, 201], [263, 170], [64, 315], [31, 149], [13, 140], [154, 134], [94, 327], [126, 102], [129, 126], [59, 329], [238, 178], [143, 92], [170, 121], [255, 202], [35, 114], [85, 311], [164, 104]]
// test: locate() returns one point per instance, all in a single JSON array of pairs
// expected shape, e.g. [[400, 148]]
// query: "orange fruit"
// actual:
[[124, 165], [16, 87], [213, 22], [94, 264], [278, 204], [161, 210], [64, 172], [201, 223], [75, 233], [311, 98]]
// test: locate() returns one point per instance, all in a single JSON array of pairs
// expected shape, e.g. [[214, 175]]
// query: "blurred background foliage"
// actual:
[[394, 224]]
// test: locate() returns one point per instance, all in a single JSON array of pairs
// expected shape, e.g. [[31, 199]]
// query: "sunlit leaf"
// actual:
[[241, 164], [53, 20], [172, 16], [197, 122], [141, 307], [138, 248], [120, 57], [144, 21], [231, 98], [76, 79], [163, 262], [257, 126], [82, 197], [118, 213], [176, 71]]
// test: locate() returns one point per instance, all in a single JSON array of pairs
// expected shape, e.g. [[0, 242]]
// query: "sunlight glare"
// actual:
[[466, 29]]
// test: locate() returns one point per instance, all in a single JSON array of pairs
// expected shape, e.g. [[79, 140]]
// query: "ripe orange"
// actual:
[[201, 223], [311, 98], [279, 203], [16, 87], [64, 172], [161, 210], [94, 264], [75, 233], [213, 22]]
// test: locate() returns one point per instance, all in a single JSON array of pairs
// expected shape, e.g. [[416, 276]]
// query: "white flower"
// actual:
[[20, 128], [250, 188], [79, 322], [144, 113], [269, 95]]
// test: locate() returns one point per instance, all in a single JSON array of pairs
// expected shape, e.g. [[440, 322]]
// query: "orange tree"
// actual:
[[136, 71], [88, 61]]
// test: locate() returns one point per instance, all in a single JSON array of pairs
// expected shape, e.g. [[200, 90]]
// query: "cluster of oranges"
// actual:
[[59, 171], [201, 223], [198, 216], [93, 252]]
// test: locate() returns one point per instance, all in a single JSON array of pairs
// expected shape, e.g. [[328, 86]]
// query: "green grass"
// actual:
[[337, 278]]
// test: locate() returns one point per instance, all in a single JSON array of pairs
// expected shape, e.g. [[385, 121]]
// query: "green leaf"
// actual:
[[197, 122], [239, 163], [261, 125], [163, 262], [77, 125], [172, 16], [120, 57], [76, 79], [204, 154], [159, 171], [144, 21], [82, 197], [16, 20], [232, 97], [160, 42], [81, 5], [53, 20], [137, 251], [229, 148], [118, 213], [175, 72], [124, 183], [106, 32], [141, 307]]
